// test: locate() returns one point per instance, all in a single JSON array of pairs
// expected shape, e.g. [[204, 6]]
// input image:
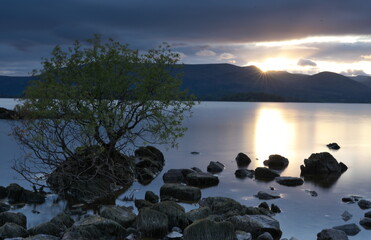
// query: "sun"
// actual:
[[275, 64]]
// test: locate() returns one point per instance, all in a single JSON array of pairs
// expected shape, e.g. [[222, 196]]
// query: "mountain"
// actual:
[[366, 80], [228, 82]]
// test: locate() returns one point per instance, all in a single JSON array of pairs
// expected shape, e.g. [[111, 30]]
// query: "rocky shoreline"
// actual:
[[161, 217]]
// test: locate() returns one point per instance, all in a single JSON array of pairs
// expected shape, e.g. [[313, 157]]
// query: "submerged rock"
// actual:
[[289, 181], [276, 162], [332, 234], [215, 167], [242, 160], [266, 196], [333, 146], [244, 173], [201, 179], [322, 164], [180, 192], [349, 229], [262, 173], [346, 216], [209, 230]]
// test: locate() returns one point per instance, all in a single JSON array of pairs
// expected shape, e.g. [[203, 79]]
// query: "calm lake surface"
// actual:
[[220, 130]]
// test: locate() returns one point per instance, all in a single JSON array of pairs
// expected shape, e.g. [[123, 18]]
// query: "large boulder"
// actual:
[[122, 215], [47, 228], [95, 227], [152, 223], [83, 177], [151, 197], [149, 162], [349, 229], [12, 230], [276, 161], [209, 230], [262, 173], [222, 205], [257, 225], [17, 194], [242, 160], [322, 164], [63, 220], [289, 181], [201, 179], [180, 192], [198, 213], [174, 176], [10, 217], [332, 234], [175, 213]]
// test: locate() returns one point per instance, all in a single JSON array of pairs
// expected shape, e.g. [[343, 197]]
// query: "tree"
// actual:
[[99, 101]]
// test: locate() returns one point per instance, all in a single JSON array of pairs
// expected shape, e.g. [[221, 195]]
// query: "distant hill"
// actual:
[[366, 80], [226, 82]]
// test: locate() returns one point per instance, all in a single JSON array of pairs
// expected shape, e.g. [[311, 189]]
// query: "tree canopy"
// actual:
[[105, 95]]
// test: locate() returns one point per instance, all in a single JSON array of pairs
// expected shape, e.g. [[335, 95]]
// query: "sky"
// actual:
[[291, 35]]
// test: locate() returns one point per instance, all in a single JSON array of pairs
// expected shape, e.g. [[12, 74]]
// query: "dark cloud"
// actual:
[[27, 26], [306, 62]]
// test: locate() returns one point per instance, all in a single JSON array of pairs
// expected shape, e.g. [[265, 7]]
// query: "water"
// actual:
[[219, 131]]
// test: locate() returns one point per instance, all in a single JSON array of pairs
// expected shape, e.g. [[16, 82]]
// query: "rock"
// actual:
[[221, 205], [364, 204], [366, 223], [209, 230], [351, 199], [276, 162], [63, 220], [215, 167], [343, 167], [262, 173], [152, 223], [196, 169], [332, 234], [150, 152], [242, 160], [289, 181], [264, 205], [265, 236], [12, 230], [4, 207], [176, 175], [201, 179], [48, 228], [8, 114], [333, 146], [181, 192], [151, 197], [141, 203], [197, 214], [17, 194], [174, 235], [195, 153], [121, 215], [42, 237], [175, 213], [241, 235], [10, 217], [275, 208], [257, 225], [368, 214], [312, 193], [243, 173], [321, 164], [95, 227], [346, 216], [3, 192], [72, 179], [266, 196], [349, 229]]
